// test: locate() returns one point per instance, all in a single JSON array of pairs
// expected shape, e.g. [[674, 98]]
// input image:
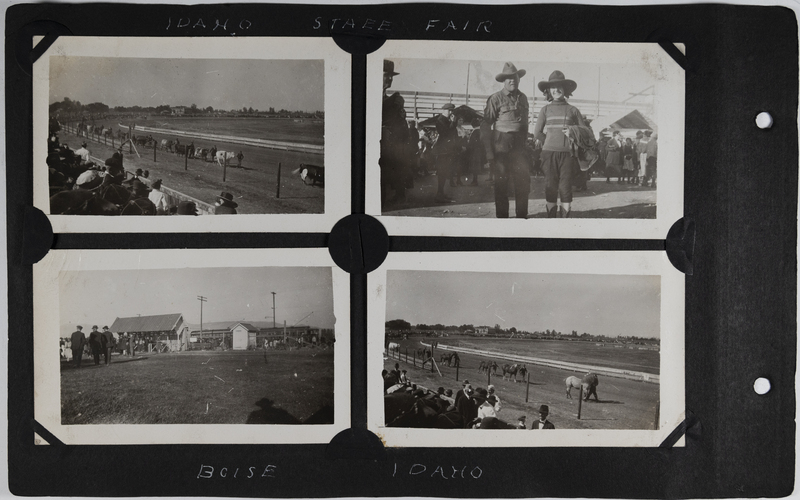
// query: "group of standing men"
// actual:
[[99, 342], [560, 132]]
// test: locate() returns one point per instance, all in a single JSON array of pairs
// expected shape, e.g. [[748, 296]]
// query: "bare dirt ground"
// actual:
[[601, 200], [623, 404], [253, 186]]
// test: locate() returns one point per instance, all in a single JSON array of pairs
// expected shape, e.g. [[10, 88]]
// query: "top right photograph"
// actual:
[[526, 131]]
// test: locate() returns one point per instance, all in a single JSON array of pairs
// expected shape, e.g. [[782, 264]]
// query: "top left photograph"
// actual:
[[245, 134]]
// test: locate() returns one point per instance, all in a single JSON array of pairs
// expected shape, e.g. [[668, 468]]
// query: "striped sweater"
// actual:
[[552, 119]]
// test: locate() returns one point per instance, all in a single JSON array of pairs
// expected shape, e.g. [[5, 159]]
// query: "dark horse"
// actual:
[[451, 358], [402, 409]]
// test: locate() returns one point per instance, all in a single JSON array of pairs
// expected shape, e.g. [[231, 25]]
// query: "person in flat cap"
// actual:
[[108, 342], [77, 342], [504, 132], [446, 149], [96, 343], [543, 423], [225, 204], [396, 141], [551, 132]]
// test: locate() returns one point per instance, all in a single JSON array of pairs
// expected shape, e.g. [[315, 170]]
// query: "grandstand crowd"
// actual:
[[78, 186], [408, 405]]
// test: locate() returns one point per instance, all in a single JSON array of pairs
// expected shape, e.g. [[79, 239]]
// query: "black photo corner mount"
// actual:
[[729, 49], [679, 245], [26, 53], [37, 235]]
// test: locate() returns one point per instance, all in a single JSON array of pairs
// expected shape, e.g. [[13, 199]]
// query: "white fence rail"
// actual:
[[564, 365], [259, 143]]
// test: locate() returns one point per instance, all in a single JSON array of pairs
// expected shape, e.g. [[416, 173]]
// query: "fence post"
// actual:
[[278, 195], [155, 147], [224, 168], [527, 387], [457, 364], [658, 410], [580, 401], [415, 358], [186, 159]]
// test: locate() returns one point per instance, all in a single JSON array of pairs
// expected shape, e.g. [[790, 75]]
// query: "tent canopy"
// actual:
[[623, 120]]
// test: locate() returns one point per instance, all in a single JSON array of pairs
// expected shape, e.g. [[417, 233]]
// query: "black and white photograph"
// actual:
[[548, 131], [143, 346], [191, 132], [515, 345]]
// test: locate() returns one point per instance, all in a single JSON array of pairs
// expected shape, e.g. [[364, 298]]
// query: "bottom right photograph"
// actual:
[[540, 341]]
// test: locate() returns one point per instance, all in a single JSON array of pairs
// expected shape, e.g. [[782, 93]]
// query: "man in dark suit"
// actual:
[[107, 341], [543, 423], [96, 343], [77, 341]]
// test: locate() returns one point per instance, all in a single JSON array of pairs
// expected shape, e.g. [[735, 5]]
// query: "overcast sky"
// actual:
[[616, 81], [609, 305], [223, 84], [234, 294]]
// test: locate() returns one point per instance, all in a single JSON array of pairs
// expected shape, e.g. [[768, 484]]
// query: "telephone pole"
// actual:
[[273, 310], [201, 299]]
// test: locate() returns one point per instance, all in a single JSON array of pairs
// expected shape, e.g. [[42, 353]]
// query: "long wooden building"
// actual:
[[166, 329]]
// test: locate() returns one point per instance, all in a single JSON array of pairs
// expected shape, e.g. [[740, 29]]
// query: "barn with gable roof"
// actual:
[[165, 331]]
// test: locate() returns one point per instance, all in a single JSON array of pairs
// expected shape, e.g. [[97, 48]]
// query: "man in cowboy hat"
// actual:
[[504, 131], [445, 150], [225, 204], [396, 152], [552, 129], [77, 341], [543, 423]]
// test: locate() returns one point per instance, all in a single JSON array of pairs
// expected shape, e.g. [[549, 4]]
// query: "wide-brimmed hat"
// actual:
[[388, 67], [544, 409], [509, 70], [557, 79], [465, 382], [449, 106], [187, 208], [105, 328], [228, 199], [156, 184], [83, 144]]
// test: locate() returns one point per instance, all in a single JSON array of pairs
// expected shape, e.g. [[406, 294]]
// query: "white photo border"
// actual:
[[669, 103], [672, 366], [337, 143], [47, 378]]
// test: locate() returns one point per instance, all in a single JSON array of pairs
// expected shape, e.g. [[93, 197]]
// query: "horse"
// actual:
[[311, 174], [513, 370], [573, 382], [587, 385], [403, 409], [201, 153], [167, 145], [223, 156], [452, 359]]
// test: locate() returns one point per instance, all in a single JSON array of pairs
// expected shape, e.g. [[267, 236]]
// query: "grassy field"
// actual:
[[290, 387], [624, 404]]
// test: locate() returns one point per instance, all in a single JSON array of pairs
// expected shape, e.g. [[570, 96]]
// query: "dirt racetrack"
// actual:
[[624, 404], [253, 186]]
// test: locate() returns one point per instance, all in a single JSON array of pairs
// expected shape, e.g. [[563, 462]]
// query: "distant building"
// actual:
[[165, 330], [244, 336], [482, 330], [178, 110]]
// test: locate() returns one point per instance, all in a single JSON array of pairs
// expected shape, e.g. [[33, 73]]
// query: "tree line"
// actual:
[[68, 106], [400, 325]]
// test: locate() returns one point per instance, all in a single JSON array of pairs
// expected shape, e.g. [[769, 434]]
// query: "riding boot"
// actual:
[[553, 213], [565, 213]]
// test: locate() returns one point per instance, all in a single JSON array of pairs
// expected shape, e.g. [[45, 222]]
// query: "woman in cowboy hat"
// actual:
[[225, 204], [551, 130]]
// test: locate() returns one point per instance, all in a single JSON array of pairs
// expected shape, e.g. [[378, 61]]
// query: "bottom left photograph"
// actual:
[[132, 346]]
